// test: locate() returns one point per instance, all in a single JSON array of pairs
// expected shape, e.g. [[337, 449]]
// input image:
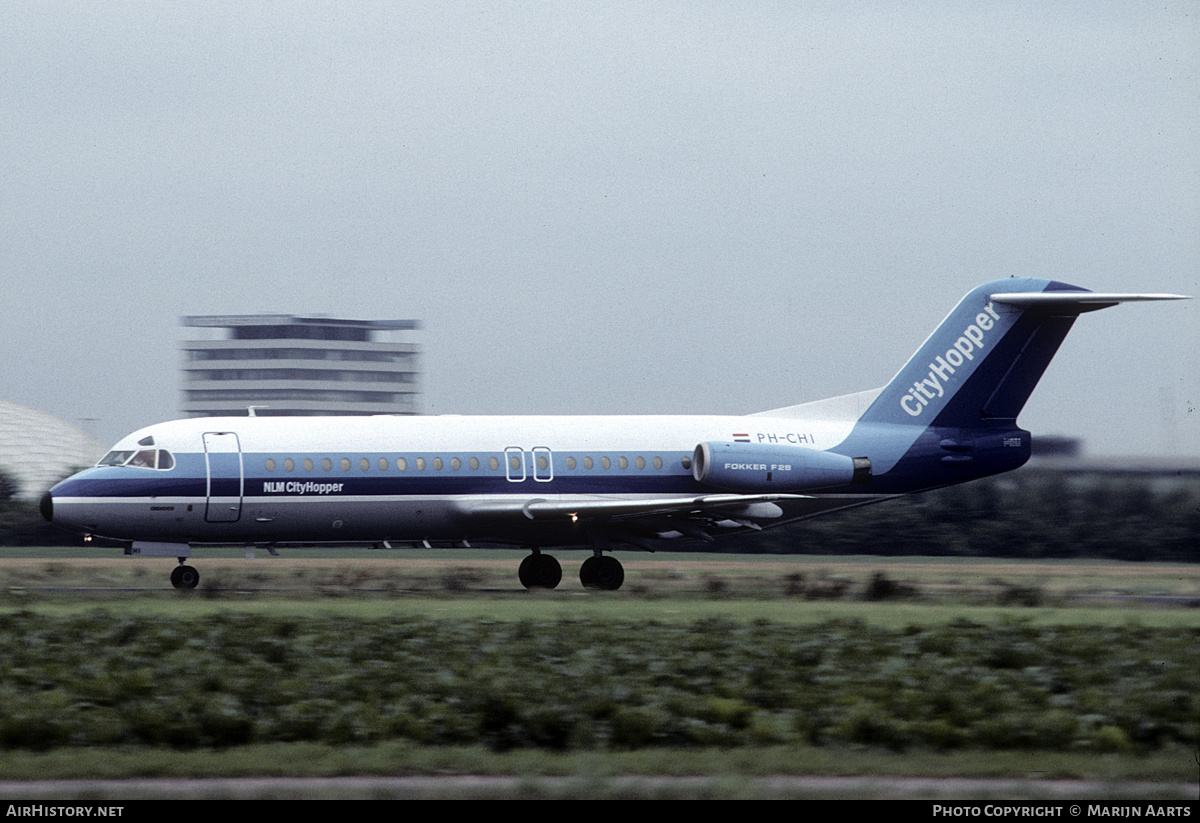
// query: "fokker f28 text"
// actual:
[[584, 482]]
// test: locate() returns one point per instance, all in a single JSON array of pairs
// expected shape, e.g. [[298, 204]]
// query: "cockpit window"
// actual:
[[143, 459], [115, 458]]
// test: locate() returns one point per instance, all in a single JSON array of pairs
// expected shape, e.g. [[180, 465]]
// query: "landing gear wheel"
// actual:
[[539, 571], [602, 572], [184, 577]]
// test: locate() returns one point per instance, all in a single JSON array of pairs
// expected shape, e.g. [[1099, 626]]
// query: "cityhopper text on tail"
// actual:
[[597, 483]]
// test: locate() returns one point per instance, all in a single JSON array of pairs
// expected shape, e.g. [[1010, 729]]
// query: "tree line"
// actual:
[[1034, 513]]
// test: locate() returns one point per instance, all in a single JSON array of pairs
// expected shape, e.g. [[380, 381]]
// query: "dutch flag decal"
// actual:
[[741, 438]]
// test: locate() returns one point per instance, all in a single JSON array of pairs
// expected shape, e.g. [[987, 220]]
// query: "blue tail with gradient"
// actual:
[[982, 363], [950, 413]]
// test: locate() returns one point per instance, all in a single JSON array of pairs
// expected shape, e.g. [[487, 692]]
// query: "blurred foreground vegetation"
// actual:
[[105, 680]]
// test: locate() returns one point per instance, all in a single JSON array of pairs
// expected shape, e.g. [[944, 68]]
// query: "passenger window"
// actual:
[[588, 463], [270, 465], [437, 464], [493, 464], [570, 462], [658, 462], [327, 464], [605, 463], [474, 464], [289, 464], [640, 462], [308, 464], [401, 464], [383, 464], [623, 462], [364, 464], [345, 464], [420, 464], [456, 464], [687, 462]]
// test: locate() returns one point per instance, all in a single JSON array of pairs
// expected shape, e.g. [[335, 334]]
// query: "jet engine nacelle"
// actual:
[[759, 467]]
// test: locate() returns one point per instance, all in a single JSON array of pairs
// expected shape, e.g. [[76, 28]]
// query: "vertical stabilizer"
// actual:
[[965, 386], [984, 360]]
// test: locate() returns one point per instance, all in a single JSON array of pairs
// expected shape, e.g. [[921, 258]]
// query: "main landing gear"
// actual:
[[603, 572], [184, 576], [541, 571]]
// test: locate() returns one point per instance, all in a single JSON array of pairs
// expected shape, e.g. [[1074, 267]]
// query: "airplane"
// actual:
[[583, 482]]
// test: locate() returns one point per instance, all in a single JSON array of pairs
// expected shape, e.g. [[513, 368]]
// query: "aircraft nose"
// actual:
[[47, 506]]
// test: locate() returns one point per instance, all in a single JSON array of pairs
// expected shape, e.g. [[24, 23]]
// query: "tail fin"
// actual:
[[984, 360]]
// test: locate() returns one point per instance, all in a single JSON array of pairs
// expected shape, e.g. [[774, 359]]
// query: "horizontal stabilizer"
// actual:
[[1081, 300]]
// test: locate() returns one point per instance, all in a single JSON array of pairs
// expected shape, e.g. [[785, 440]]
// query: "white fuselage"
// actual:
[[391, 478]]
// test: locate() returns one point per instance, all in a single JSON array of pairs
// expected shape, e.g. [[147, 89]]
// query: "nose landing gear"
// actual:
[[184, 576]]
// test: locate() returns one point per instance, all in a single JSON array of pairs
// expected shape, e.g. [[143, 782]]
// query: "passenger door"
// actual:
[[225, 477]]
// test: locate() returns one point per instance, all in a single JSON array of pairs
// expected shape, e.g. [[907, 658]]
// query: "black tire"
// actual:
[[185, 577], [604, 573], [540, 571], [587, 573]]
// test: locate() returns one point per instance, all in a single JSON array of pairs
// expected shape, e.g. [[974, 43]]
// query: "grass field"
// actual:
[[316, 572], [891, 629]]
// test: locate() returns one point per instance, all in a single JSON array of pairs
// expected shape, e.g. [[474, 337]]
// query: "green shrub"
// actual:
[[564, 685]]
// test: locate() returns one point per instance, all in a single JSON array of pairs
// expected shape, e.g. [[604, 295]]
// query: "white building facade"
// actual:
[[38, 449], [287, 365]]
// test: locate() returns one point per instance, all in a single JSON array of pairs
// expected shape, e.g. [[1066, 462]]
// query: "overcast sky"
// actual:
[[602, 207]]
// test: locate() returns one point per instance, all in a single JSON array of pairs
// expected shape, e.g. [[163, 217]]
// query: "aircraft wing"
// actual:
[[594, 508]]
